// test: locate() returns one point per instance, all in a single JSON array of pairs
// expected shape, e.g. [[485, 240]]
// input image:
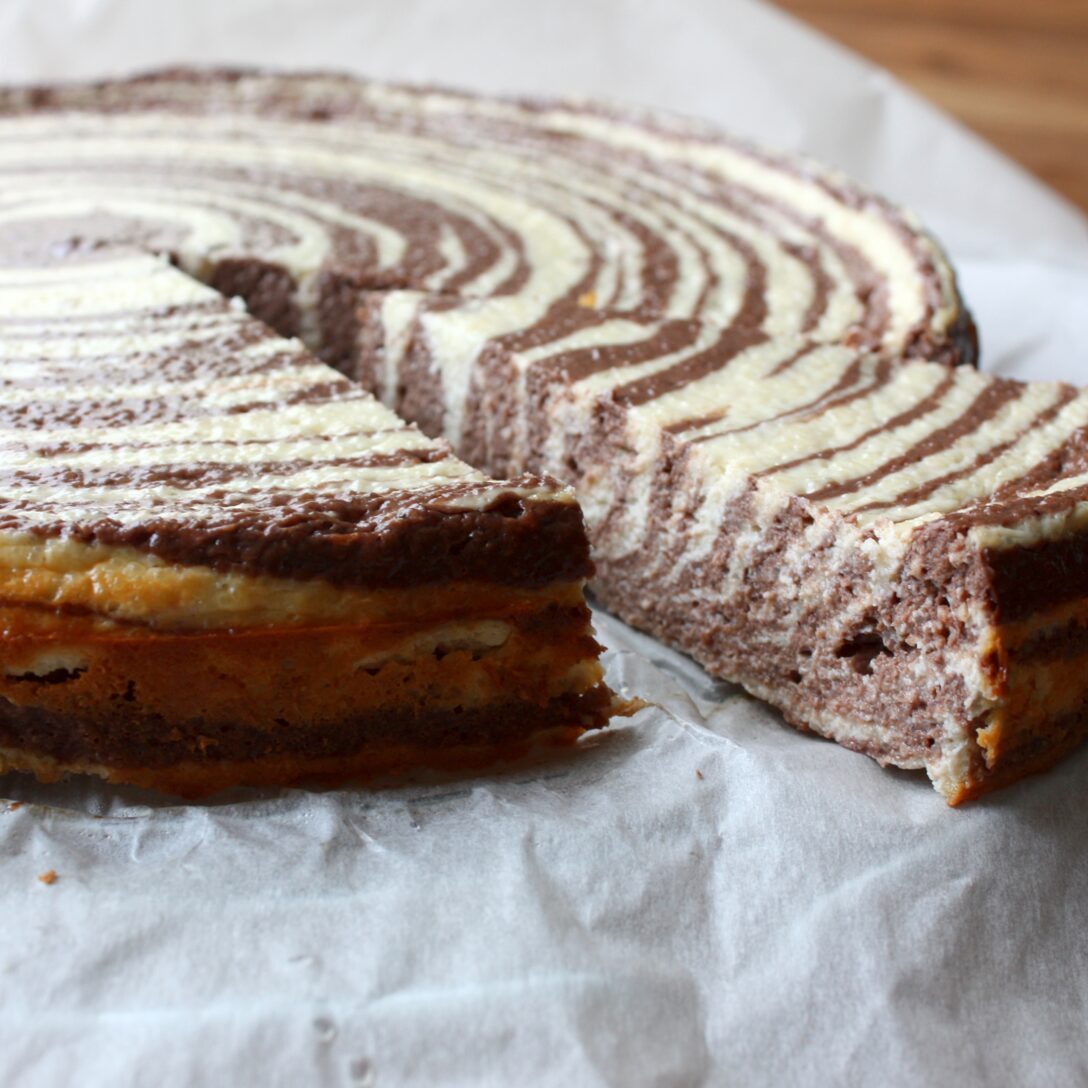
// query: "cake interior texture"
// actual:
[[891, 554], [750, 370]]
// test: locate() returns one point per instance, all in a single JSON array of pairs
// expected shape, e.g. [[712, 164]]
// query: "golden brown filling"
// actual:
[[179, 705], [46, 584], [1039, 673], [303, 676]]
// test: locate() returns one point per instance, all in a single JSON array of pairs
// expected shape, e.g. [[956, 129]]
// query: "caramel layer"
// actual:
[[285, 693]]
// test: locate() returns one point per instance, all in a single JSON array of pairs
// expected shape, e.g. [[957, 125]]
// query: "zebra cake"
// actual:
[[747, 367]]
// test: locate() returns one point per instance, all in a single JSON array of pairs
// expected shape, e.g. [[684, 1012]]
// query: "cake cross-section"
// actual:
[[895, 554], [222, 563]]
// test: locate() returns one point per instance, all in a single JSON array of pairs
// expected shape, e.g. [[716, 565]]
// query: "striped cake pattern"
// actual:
[[891, 552], [747, 367], [180, 421], [223, 563], [335, 186]]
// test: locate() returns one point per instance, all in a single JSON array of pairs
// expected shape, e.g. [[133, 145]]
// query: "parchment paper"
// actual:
[[699, 895]]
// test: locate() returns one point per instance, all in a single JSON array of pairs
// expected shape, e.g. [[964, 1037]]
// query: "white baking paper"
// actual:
[[699, 895]]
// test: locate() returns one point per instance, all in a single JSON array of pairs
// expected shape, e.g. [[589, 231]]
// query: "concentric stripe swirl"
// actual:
[[334, 181], [742, 363], [330, 205]]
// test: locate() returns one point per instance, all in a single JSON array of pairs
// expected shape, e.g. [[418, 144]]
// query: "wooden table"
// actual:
[[1016, 71]]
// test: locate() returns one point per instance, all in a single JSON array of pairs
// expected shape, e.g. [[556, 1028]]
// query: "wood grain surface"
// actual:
[[1016, 71]]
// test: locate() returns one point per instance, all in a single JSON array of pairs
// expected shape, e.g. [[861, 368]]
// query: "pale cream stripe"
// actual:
[[779, 441], [1031, 449], [287, 448], [299, 420], [108, 293], [224, 391], [26, 359], [122, 267], [1011, 419]]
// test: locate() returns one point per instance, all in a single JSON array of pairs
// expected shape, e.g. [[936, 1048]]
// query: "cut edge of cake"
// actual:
[[226, 565], [892, 553]]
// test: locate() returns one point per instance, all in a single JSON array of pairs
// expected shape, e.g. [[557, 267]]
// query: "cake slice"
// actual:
[[894, 553], [222, 563]]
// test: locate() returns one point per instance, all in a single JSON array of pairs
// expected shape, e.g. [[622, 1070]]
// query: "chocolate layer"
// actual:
[[1033, 579], [378, 541], [135, 739]]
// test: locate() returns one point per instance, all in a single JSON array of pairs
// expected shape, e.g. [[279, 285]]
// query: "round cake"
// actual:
[[746, 366]]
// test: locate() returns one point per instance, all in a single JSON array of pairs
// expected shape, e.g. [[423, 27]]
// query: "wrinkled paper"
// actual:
[[698, 895]]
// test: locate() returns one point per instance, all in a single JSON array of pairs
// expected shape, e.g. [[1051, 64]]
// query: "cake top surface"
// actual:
[[301, 193], [872, 439], [138, 407], [471, 197]]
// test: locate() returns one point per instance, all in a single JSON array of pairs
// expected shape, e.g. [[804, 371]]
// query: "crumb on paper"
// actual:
[[49, 876], [15, 806], [698, 774]]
